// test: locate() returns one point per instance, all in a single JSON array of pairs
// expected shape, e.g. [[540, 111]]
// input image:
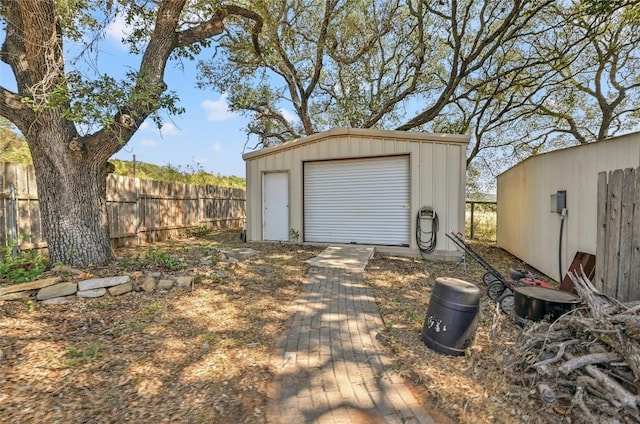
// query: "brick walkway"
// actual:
[[330, 367]]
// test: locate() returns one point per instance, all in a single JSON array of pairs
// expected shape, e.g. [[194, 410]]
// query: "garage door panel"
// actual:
[[363, 201]]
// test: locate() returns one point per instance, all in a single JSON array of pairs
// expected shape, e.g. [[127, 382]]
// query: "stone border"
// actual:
[[55, 291]]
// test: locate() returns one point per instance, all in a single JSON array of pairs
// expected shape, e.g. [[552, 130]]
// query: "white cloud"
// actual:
[[116, 31], [217, 147], [166, 129], [147, 142], [217, 110], [169, 129], [291, 117]]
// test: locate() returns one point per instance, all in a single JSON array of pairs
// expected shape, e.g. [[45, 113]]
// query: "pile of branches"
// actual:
[[586, 364]]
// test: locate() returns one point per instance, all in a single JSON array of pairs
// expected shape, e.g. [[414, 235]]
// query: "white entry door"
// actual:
[[275, 206]]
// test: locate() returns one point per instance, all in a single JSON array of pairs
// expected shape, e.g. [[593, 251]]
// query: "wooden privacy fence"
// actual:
[[618, 239], [138, 210]]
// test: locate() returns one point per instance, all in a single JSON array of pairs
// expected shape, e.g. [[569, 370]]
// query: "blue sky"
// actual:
[[206, 136]]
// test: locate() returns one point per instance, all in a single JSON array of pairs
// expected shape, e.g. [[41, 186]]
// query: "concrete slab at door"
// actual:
[[275, 206]]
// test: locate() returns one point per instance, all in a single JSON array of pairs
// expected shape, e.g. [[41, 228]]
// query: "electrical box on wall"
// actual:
[[426, 212], [558, 201]]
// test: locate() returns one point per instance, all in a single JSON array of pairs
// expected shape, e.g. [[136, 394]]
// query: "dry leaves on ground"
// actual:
[[476, 387], [202, 356]]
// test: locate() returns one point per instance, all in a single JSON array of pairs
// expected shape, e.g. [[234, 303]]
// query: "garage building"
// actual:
[[356, 186]]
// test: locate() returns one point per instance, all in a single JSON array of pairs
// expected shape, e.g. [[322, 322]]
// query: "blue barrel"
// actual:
[[452, 316]]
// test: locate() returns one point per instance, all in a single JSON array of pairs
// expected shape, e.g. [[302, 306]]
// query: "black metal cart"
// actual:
[[499, 288]]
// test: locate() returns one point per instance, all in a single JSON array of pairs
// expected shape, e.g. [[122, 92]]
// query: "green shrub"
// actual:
[[198, 231], [26, 266], [153, 259]]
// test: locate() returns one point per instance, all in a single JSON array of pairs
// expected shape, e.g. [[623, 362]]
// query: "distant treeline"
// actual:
[[175, 174]]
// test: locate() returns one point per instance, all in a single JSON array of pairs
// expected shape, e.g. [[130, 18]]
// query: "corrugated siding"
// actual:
[[527, 228], [364, 201]]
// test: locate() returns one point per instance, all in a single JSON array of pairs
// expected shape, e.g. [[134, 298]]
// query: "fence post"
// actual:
[[472, 220], [136, 217], [198, 204], [12, 222]]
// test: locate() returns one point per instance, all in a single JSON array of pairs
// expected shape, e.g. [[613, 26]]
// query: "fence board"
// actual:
[[138, 211], [601, 258], [618, 243], [612, 243], [626, 230], [634, 274]]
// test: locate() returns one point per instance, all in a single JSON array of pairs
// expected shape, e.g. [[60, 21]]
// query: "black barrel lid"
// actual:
[[456, 283], [550, 295]]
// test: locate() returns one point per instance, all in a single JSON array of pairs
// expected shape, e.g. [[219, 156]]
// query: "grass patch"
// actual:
[[482, 224], [198, 231], [76, 357]]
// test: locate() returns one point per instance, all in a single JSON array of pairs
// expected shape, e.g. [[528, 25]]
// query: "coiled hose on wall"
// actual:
[[427, 240]]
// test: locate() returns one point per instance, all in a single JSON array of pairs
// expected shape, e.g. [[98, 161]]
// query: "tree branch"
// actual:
[[12, 108], [215, 26]]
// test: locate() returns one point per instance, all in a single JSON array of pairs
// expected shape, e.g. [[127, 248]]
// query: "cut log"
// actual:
[[546, 393], [582, 361], [627, 399], [561, 348]]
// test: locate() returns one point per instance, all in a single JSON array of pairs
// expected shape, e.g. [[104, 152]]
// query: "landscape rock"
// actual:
[[52, 291], [97, 283], [18, 295], [165, 284], [243, 252], [37, 284], [57, 290], [120, 289], [92, 293], [184, 282], [67, 269], [57, 300], [149, 284], [221, 274]]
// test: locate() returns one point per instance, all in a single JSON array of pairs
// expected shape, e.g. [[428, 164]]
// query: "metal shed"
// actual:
[[357, 186], [529, 212]]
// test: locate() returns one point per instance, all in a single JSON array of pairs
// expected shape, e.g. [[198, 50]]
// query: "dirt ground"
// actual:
[[202, 355]]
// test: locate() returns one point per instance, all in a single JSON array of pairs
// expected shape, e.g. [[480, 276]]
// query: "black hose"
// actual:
[[428, 246], [560, 248]]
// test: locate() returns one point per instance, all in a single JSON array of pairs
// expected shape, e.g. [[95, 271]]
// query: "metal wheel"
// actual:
[[495, 290], [489, 278], [507, 302]]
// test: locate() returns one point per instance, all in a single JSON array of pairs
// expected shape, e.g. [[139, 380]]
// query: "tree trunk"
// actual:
[[72, 194], [71, 171]]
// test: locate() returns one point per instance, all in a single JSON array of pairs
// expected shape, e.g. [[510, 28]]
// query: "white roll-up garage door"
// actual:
[[364, 201]]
